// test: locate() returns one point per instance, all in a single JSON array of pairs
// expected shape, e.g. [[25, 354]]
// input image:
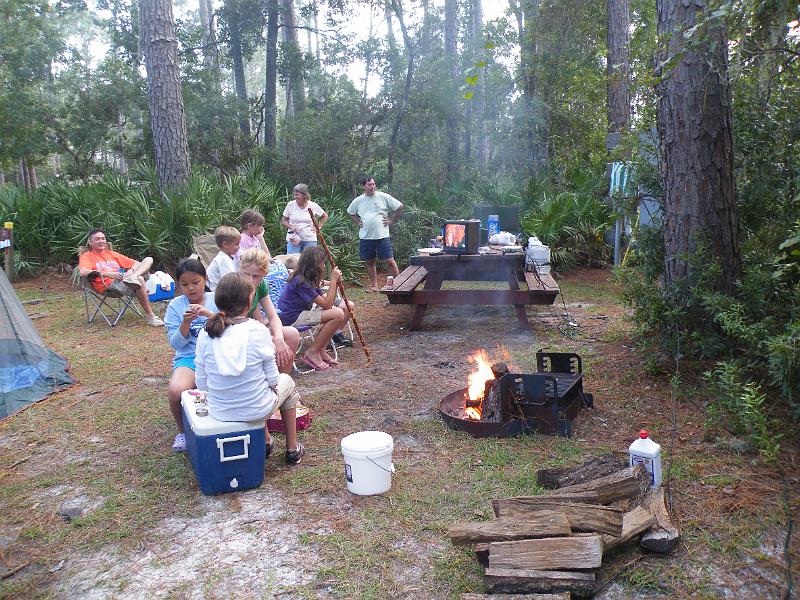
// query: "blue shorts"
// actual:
[[369, 249], [292, 249], [184, 362]]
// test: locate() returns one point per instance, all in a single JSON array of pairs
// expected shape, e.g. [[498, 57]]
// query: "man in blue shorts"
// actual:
[[373, 212]]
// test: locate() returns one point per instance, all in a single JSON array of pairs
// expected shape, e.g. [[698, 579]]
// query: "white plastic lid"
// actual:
[[367, 442]]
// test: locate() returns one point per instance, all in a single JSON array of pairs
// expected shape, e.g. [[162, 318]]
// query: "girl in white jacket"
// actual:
[[235, 361]]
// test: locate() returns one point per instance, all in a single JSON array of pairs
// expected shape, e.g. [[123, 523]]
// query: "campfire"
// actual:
[[499, 402]]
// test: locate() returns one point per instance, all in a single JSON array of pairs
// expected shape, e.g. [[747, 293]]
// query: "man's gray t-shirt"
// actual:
[[372, 210]]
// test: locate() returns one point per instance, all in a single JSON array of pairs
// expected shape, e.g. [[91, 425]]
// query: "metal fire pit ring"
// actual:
[[452, 405]]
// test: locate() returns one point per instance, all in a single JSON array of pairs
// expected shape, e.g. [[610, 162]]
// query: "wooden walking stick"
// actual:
[[340, 285]]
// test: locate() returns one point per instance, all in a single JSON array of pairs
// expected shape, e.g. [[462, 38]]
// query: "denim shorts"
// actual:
[[292, 249], [369, 249]]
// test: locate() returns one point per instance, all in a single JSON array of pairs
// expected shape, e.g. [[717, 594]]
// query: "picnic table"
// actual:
[[430, 272]]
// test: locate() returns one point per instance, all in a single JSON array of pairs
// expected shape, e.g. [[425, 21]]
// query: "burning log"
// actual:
[[541, 523], [591, 469], [593, 518], [530, 580], [577, 552], [493, 409], [663, 536]]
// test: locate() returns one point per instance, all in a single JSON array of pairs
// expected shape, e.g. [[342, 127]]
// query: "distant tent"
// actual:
[[29, 370]]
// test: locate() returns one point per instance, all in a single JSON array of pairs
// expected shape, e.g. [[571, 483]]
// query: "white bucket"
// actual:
[[368, 464]]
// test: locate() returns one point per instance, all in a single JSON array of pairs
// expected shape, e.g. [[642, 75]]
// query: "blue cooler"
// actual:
[[162, 294], [227, 456]]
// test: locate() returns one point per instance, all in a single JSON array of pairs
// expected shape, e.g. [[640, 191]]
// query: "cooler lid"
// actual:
[[208, 425]]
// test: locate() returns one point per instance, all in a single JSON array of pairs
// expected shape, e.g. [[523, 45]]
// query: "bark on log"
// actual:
[[583, 552], [622, 484], [529, 580], [536, 524], [582, 517], [633, 523], [542, 523], [663, 536], [558, 596], [591, 469]]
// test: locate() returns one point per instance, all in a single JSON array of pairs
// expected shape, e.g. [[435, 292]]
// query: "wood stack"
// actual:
[[553, 544]]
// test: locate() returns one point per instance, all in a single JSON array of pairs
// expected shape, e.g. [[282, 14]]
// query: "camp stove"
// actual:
[[511, 404]]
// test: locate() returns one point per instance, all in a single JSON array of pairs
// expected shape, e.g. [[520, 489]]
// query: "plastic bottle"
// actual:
[[646, 452], [492, 225]]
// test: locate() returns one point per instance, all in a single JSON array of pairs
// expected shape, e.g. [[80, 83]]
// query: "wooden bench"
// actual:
[[405, 283]]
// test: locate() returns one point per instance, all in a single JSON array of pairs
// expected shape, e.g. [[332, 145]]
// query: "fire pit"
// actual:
[[498, 403]]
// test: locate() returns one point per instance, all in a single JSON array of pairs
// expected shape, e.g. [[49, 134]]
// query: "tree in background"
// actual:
[[694, 121], [165, 99], [618, 66]]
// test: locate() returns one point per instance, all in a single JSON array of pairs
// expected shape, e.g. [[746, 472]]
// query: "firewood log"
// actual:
[[530, 580], [563, 553], [634, 522], [559, 596], [622, 484], [664, 535], [594, 518], [591, 469], [545, 522]]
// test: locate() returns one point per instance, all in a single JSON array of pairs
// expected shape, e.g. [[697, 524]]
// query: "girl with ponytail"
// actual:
[[236, 365]]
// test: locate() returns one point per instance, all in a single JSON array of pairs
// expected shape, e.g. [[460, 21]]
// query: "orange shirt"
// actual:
[[106, 261]]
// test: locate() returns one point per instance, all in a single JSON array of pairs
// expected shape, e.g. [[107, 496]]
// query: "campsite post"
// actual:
[[7, 242]]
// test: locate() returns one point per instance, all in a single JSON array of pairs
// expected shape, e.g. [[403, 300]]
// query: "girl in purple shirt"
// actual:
[[304, 303]]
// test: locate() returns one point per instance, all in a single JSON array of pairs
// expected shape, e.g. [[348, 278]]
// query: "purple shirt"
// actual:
[[297, 296]]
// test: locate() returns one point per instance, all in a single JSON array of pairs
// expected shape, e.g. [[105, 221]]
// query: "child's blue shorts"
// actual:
[[183, 362]]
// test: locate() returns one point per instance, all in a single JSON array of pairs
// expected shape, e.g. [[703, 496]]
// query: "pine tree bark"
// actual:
[[618, 66], [167, 118], [271, 82], [694, 122], [451, 56], [209, 40]]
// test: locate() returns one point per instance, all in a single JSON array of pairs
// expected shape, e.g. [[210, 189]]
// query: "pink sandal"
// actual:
[[310, 363]]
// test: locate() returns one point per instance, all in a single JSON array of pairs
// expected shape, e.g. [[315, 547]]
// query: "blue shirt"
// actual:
[[185, 346], [297, 296]]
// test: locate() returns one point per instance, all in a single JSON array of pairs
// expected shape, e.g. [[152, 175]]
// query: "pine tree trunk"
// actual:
[[451, 56], [240, 84], [618, 66], [398, 11], [694, 121], [295, 91], [534, 124], [167, 118], [34, 181], [271, 81], [24, 180], [479, 98]]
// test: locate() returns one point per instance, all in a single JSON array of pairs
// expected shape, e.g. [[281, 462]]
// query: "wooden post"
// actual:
[[7, 238]]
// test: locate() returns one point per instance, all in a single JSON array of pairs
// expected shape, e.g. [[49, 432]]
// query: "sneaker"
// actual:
[[180, 443], [293, 457], [155, 321], [340, 340]]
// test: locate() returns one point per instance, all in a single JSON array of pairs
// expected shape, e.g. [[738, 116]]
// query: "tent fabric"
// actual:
[[29, 370]]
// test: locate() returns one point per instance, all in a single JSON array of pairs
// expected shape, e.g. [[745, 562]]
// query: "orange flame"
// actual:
[[476, 382]]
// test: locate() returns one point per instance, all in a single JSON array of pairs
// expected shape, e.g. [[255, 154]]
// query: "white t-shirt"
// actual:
[[237, 369], [372, 210], [300, 220], [219, 267]]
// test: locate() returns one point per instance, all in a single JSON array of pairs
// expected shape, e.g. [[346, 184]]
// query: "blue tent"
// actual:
[[29, 370]]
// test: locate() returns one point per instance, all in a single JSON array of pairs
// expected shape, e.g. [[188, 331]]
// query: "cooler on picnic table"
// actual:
[[226, 456]]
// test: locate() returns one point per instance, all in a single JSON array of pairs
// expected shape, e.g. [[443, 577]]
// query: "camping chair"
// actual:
[[205, 248], [109, 304]]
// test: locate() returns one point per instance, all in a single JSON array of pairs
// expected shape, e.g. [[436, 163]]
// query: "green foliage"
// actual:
[[740, 408], [572, 223]]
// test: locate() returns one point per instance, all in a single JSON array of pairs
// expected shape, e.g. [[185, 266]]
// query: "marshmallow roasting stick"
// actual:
[[341, 285]]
